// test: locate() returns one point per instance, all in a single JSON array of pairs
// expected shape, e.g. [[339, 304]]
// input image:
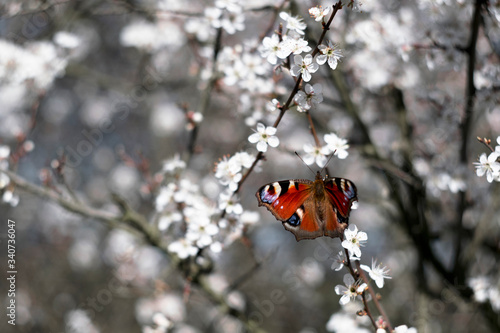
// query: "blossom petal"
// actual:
[[262, 146], [273, 141]]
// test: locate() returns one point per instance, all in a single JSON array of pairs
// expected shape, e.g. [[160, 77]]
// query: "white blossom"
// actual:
[[377, 273], [315, 154], [270, 48], [294, 23], [229, 203], [319, 12], [264, 136], [228, 172], [353, 240], [331, 53], [304, 66], [351, 290], [489, 166]]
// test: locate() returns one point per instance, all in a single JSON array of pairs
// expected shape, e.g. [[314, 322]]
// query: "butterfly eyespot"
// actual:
[[270, 193], [294, 220]]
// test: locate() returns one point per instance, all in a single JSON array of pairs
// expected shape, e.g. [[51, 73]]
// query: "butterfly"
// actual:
[[310, 209]]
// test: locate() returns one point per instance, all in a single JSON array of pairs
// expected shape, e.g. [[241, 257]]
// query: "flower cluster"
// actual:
[[229, 171], [291, 42], [489, 165], [354, 287], [241, 67], [485, 289], [181, 204]]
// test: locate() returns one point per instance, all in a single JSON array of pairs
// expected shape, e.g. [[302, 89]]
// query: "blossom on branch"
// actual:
[[312, 96], [315, 154], [304, 66], [489, 166], [353, 240], [293, 23], [330, 53], [351, 290], [264, 136], [319, 12]]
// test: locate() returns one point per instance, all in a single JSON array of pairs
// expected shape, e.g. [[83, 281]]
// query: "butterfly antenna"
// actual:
[[304, 163], [328, 161]]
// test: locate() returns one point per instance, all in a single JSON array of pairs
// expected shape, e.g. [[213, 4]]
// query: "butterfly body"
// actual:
[[310, 209]]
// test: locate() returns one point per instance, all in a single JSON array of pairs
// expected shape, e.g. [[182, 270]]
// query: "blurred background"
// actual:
[[124, 97]]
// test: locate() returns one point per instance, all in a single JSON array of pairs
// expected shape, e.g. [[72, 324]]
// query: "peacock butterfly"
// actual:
[[310, 209]]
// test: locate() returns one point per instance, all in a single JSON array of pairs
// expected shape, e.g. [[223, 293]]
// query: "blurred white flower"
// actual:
[[170, 305], [405, 329], [150, 36], [270, 48], [315, 154], [10, 198], [489, 166], [344, 323], [480, 286], [165, 196], [232, 22], [78, 321], [213, 15], [183, 248], [174, 165], [351, 290], [230, 5], [201, 231], [161, 321], [229, 203], [167, 218], [273, 105], [66, 39], [243, 159], [304, 66], [249, 217], [294, 23], [319, 12], [353, 240], [228, 172], [4, 152], [264, 136], [337, 145], [377, 273], [331, 53]]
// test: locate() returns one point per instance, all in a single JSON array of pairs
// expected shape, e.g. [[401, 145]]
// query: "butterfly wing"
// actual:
[[341, 193], [292, 202]]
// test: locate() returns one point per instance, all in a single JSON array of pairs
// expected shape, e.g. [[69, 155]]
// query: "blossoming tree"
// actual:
[[134, 135]]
